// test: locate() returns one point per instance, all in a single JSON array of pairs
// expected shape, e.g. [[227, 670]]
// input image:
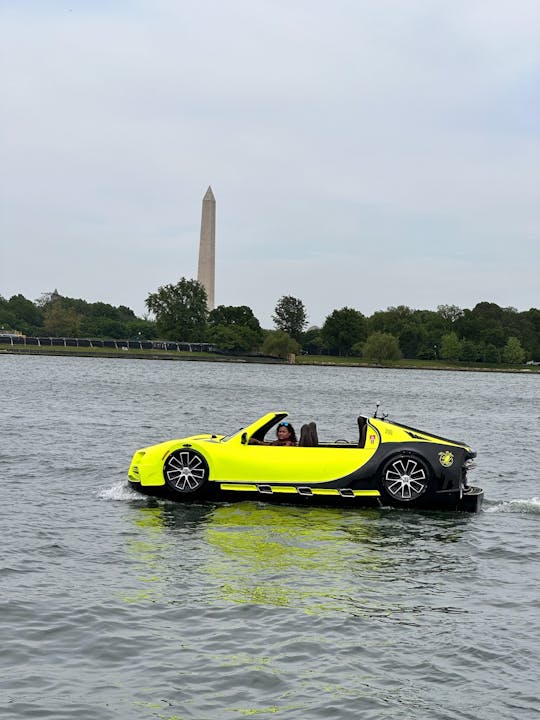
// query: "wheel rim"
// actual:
[[185, 471], [405, 479]]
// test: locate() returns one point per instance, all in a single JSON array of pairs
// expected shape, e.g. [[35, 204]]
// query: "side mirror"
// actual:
[[243, 439]]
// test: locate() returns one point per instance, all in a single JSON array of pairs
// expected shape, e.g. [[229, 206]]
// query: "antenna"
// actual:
[[376, 409]]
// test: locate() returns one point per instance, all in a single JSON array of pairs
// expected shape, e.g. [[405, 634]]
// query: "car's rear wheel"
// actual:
[[185, 471], [405, 480]]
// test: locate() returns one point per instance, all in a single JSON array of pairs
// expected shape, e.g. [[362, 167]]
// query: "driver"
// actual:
[[285, 436]]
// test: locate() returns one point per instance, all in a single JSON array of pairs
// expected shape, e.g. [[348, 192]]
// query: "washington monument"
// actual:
[[207, 249]]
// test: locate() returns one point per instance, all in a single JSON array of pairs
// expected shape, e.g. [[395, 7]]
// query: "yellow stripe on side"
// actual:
[[238, 486], [291, 489], [356, 493]]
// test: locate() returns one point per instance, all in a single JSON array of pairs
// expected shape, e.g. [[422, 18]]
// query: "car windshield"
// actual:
[[225, 438]]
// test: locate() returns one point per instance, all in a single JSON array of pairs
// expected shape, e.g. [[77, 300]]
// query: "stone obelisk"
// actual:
[[206, 274]]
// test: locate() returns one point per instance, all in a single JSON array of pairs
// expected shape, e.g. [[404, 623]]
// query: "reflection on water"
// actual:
[[285, 556], [315, 560], [148, 550]]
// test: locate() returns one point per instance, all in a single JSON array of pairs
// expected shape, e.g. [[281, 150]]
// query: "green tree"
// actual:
[[513, 352], [427, 352], [233, 315], [450, 347], [449, 313], [61, 321], [381, 347], [290, 316], [139, 329], [393, 320], [342, 329], [234, 328], [28, 318], [489, 327], [234, 338], [96, 320], [278, 343], [491, 354], [8, 319], [312, 341], [414, 329], [180, 310], [531, 340], [470, 351], [411, 339]]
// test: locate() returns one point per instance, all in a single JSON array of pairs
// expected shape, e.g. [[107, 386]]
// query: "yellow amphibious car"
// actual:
[[388, 464]]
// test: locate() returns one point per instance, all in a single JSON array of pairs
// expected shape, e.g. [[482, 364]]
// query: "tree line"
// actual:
[[488, 333]]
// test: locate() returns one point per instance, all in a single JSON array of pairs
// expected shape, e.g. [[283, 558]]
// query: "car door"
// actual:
[[283, 464]]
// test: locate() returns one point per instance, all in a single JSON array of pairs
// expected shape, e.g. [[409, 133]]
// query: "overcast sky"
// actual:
[[363, 153]]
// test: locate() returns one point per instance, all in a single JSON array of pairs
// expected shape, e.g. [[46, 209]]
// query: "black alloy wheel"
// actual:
[[405, 479], [185, 471]]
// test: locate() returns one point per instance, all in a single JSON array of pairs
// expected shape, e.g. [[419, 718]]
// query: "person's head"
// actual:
[[285, 432]]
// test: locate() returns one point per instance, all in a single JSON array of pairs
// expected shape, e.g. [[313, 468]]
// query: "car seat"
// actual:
[[362, 431], [308, 435]]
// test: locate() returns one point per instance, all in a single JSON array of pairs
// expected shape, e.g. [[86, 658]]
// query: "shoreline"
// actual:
[[176, 356]]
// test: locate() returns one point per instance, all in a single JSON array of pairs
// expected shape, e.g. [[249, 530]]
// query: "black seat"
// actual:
[[305, 437], [362, 431], [308, 435]]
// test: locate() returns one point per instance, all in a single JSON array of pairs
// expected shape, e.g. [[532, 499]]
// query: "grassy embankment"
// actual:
[[300, 359]]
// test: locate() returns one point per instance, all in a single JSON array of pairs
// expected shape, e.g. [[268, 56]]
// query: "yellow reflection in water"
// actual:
[[314, 559], [308, 558], [148, 551]]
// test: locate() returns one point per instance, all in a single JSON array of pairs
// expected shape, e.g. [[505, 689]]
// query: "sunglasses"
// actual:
[[283, 424]]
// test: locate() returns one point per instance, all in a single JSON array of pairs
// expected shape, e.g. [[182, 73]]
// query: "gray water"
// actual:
[[119, 606]]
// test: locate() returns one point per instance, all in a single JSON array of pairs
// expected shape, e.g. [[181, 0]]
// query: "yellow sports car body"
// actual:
[[388, 464]]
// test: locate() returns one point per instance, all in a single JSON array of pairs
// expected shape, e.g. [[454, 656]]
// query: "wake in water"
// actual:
[[517, 506], [119, 491]]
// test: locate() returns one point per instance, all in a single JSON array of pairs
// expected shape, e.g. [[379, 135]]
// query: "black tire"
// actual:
[[405, 480], [185, 471]]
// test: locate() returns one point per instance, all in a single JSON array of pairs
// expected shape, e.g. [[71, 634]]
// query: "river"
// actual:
[[117, 606]]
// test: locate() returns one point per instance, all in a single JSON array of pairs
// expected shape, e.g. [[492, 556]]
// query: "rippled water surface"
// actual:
[[118, 606]]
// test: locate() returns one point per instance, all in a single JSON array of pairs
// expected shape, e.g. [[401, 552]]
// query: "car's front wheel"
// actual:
[[405, 479], [185, 471]]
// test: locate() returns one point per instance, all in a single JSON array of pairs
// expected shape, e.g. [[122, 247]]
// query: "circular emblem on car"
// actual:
[[446, 458]]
